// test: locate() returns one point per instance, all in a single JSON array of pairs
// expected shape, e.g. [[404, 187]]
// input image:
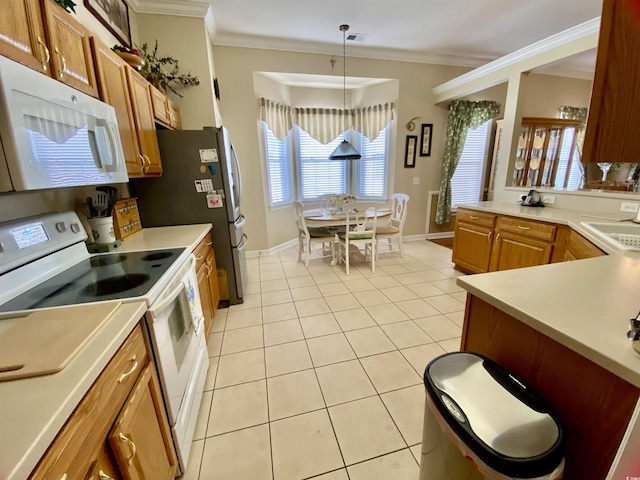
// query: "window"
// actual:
[[316, 175], [466, 183], [278, 169]]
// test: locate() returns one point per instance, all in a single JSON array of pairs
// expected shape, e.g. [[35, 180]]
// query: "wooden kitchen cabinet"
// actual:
[[165, 111], [141, 437], [22, 35], [472, 241], [485, 242], [207, 281], [579, 248], [145, 124], [43, 36], [111, 71], [126, 390], [69, 49], [614, 117]]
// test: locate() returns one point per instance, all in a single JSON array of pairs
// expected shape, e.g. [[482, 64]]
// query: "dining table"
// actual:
[[321, 217]]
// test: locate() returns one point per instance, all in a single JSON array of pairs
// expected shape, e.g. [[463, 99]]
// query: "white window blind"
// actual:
[[466, 183], [278, 169], [371, 173], [317, 174], [574, 172]]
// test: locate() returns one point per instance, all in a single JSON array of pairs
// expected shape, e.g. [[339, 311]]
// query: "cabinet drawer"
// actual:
[[475, 217], [202, 250], [73, 449], [528, 228]]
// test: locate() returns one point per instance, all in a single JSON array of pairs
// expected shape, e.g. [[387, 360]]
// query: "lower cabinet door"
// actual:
[[203, 275], [104, 467], [141, 438], [472, 247], [514, 251]]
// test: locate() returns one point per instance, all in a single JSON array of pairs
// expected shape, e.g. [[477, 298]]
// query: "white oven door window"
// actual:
[[175, 325]]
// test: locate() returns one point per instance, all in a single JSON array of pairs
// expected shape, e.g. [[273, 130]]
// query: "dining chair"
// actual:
[[361, 220], [308, 236], [393, 230]]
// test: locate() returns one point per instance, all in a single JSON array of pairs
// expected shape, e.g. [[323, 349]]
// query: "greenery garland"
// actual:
[[163, 71]]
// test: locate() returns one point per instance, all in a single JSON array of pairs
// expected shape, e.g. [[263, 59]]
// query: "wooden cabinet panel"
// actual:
[[73, 449], [516, 251], [594, 405], [174, 115], [614, 117], [212, 274], [104, 467], [141, 438], [207, 281], [476, 218], [159, 101], [22, 35], [472, 247], [205, 298], [114, 90], [528, 228], [145, 124], [68, 40], [579, 248]]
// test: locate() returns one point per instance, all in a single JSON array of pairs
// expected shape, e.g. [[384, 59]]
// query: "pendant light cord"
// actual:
[[344, 66]]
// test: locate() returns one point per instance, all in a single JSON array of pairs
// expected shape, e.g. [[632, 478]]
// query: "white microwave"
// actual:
[[53, 135]]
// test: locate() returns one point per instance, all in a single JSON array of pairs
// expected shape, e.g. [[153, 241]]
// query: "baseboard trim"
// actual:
[[430, 236]]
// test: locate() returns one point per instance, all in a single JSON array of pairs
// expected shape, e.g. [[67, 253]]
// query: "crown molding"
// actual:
[[170, 7], [579, 32]]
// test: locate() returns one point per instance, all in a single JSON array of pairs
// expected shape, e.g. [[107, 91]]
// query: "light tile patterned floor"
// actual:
[[319, 374]]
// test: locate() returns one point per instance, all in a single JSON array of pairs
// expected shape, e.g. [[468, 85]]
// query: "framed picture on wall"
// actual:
[[425, 139], [113, 14], [410, 151]]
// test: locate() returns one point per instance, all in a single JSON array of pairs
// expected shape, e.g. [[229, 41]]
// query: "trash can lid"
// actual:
[[501, 420]]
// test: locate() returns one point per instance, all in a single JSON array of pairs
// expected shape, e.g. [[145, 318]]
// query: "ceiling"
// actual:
[[452, 32]]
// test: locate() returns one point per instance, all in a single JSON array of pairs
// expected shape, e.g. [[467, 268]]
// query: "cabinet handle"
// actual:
[[489, 237], [131, 370], [141, 160], [209, 268], [64, 477], [523, 228], [199, 257], [64, 62], [46, 52], [132, 445], [148, 162], [473, 217], [497, 237], [209, 244], [104, 476]]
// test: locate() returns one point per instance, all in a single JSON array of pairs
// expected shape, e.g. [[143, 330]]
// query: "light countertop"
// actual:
[[560, 216], [33, 410], [187, 236], [585, 305]]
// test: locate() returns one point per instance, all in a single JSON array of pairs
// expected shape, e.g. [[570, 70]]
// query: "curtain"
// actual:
[[463, 115], [277, 116], [577, 113], [325, 124]]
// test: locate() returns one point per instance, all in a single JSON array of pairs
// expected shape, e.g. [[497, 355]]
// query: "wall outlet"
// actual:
[[416, 180], [548, 199], [629, 207]]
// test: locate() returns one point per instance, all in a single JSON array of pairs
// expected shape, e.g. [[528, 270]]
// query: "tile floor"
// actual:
[[319, 374]]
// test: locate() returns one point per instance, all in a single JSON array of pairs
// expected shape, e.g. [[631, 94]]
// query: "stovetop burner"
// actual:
[[111, 276]]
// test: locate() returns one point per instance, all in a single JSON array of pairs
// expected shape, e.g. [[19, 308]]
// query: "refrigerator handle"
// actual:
[[243, 242], [240, 221], [239, 180]]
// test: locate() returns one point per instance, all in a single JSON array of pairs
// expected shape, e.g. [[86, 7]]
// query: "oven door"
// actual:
[[176, 327]]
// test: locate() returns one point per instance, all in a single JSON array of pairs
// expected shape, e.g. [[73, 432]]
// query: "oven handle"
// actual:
[[175, 293]]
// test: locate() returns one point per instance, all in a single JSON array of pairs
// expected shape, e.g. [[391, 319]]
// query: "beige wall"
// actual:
[[186, 39], [235, 68]]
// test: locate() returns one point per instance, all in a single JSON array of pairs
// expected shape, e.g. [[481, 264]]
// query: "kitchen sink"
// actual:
[[624, 236]]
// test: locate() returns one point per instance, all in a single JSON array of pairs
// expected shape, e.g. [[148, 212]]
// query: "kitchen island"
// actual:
[[561, 328]]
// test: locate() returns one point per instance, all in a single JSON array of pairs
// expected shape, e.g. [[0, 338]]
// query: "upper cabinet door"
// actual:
[[145, 124], [114, 90], [70, 49], [614, 116], [22, 34]]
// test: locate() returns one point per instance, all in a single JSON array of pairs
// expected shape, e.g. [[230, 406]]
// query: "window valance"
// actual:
[[325, 124]]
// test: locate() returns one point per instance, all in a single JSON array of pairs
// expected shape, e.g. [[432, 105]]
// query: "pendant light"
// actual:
[[344, 151]]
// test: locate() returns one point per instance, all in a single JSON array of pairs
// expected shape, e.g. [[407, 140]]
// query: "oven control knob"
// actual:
[[61, 227], [75, 228]]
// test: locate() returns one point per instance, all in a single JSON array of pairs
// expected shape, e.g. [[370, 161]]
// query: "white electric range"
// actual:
[[44, 264]]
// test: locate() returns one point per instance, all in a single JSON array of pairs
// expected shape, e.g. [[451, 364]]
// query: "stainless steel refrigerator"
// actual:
[[200, 183]]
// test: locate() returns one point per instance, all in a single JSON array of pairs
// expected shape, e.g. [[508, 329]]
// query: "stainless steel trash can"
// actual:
[[482, 422]]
